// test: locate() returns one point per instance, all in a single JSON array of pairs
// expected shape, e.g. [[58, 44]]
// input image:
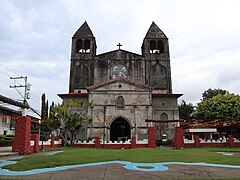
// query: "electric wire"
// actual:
[[37, 112], [10, 70]]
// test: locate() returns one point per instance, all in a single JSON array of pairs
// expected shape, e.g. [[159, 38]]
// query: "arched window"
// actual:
[[120, 102], [79, 47], [164, 117], [87, 45], [83, 46], [153, 46], [156, 46], [160, 46]]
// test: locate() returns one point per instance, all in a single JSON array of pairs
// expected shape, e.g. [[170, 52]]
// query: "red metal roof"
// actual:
[[166, 95], [70, 95]]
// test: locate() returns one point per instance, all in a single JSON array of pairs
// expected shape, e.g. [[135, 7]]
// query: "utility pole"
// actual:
[[26, 87]]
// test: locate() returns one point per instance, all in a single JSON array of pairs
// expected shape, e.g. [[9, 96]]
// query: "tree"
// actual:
[[186, 110], [44, 108], [212, 92], [71, 116], [45, 126], [222, 106]]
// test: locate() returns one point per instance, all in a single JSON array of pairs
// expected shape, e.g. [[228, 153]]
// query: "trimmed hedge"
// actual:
[[10, 135], [2, 136], [9, 138], [6, 140], [6, 143]]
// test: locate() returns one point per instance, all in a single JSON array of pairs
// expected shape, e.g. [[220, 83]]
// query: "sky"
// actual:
[[35, 41]]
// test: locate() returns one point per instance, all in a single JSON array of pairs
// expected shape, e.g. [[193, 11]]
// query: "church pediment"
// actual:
[[119, 54], [120, 84]]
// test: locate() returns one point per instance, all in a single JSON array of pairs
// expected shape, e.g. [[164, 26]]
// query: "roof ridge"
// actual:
[[119, 79]]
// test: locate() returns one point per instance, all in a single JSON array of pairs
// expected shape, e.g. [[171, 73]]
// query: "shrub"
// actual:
[[6, 143], [9, 138], [10, 135], [43, 138], [2, 136]]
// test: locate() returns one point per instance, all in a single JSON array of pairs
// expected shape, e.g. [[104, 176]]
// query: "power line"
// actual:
[[4, 83], [4, 78], [4, 74], [37, 94], [16, 73]]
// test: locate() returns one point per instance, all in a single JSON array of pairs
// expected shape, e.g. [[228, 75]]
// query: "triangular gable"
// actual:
[[119, 54], [120, 84]]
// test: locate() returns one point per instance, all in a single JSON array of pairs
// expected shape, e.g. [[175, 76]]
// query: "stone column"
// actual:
[[21, 142]]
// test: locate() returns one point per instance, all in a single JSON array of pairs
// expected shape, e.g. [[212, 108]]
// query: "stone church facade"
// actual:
[[128, 92]]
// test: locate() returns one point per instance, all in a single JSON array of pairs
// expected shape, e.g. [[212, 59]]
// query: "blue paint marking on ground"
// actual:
[[127, 165], [136, 167]]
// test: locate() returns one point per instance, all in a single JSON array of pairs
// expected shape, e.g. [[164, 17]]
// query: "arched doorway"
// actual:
[[120, 128]]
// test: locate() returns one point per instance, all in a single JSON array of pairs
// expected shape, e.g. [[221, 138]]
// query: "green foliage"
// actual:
[[47, 124], [208, 94], [71, 117], [72, 156], [186, 110], [10, 135], [9, 138], [44, 137], [44, 108], [225, 107], [2, 136], [6, 142]]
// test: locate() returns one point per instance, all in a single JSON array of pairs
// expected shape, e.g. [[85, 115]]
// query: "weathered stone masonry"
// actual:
[[125, 88]]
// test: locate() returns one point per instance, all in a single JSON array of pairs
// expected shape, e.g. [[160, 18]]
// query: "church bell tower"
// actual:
[[155, 50], [82, 58]]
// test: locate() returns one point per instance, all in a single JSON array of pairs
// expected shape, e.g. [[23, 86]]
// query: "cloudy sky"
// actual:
[[35, 41]]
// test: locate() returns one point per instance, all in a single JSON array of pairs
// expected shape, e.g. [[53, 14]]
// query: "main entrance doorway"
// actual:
[[120, 128]]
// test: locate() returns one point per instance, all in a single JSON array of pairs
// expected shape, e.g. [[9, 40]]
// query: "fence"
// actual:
[[221, 142]]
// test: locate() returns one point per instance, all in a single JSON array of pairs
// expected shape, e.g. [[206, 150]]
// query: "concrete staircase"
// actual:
[[7, 151]]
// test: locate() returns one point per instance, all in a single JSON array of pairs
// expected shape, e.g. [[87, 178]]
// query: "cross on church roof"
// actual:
[[119, 45]]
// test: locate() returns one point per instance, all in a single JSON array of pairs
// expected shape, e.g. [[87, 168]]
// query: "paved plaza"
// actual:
[[117, 171]]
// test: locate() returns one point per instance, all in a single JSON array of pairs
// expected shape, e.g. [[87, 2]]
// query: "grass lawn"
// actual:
[[72, 156]]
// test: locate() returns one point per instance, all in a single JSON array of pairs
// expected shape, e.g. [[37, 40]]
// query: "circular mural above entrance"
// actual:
[[119, 70]]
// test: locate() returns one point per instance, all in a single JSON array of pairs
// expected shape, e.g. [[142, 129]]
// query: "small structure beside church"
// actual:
[[128, 92], [7, 120]]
